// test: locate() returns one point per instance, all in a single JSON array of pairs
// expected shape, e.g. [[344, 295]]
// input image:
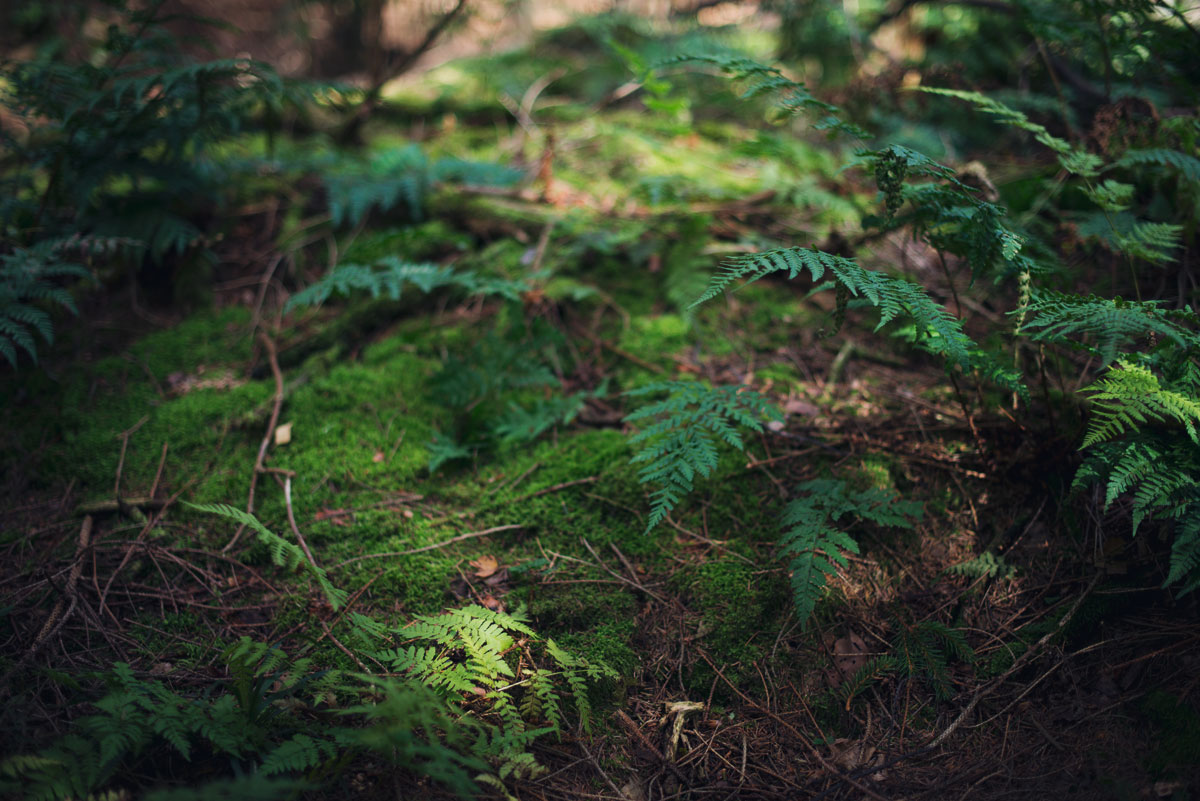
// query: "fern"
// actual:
[[814, 545], [411, 726], [30, 276], [758, 79], [924, 651], [298, 754], [1121, 233], [1074, 160], [254, 787], [468, 653], [444, 448], [1129, 396], [942, 333], [921, 652], [401, 176], [137, 717], [283, 553], [986, 564], [526, 423], [1112, 324], [681, 442], [1187, 166]]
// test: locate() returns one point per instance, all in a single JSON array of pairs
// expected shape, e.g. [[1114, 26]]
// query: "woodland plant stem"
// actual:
[[434, 546], [276, 406]]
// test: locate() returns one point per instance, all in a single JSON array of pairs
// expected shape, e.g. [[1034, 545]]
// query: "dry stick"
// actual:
[[633, 582], [600, 770], [291, 516], [70, 598], [162, 461], [812, 749], [469, 535], [1020, 662], [544, 491], [124, 437], [276, 406]]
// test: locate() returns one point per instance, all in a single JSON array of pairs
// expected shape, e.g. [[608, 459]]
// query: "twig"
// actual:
[[633, 582], [291, 516], [124, 437], [469, 535], [69, 599], [544, 491], [114, 506], [276, 406], [1019, 663], [808, 743]]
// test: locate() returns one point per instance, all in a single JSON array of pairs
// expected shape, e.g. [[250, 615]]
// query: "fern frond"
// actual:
[[681, 442], [1111, 323], [298, 754], [814, 545], [1130, 395], [1074, 160], [1122, 233], [942, 332], [757, 79], [1186, 165], [283, 553], [924, 651], [985, 564]]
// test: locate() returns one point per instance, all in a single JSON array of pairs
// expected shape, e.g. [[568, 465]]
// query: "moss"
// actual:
[[83, 418], [656, 338], [737, 604], [431, 240], [875, 472], [1177, 734]]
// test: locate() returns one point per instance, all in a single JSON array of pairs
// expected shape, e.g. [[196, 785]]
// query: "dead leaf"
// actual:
[[497, 578], [283, 434], [491, 602], [485, 566], [849, 655], [851, 755], [378, 457], [799, 406], [336, 516]]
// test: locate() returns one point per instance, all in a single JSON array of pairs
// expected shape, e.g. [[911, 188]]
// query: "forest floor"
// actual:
[[1077, 658]]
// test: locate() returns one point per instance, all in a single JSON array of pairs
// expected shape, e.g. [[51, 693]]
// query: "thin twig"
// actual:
[[469, 535], [1018, 664], [69, 599], [276, 406], [824, 763]]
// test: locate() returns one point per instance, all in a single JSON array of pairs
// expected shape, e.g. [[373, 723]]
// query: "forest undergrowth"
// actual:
[[805, 408]]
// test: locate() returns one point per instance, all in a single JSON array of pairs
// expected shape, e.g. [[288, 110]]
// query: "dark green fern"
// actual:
[[812, 543], [894, 297], [283, 553], [681, 442]]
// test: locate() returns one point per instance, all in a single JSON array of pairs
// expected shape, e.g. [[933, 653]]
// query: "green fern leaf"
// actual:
[[681, 442]]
